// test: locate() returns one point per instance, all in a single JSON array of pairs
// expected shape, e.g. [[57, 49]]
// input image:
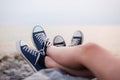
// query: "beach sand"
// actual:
[[106, 36]]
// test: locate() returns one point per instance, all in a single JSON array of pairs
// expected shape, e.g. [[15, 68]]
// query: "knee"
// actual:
[[89, 51], [90, 45], [90, 48], [87, 48]]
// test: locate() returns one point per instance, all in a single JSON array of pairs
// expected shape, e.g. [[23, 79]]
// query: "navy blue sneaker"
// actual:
[[39, 37], [77, 38], [58, 41], [34, 57]]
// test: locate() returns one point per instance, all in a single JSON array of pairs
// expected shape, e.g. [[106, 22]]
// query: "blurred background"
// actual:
[[60, 12], [99, 20], [63, 17]]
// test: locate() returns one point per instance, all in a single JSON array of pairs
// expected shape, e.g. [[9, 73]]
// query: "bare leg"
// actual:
[[92, 56], [50, 63], [65, 56]]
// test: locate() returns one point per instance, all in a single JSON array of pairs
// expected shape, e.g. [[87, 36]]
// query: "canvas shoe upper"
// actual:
[[77, 38], [58, 41], [34, 57], [39, 37]]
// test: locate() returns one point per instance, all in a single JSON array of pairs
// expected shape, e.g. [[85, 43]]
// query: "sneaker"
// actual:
[[39, 37], [34, 57], [77, 38], [58, 41]]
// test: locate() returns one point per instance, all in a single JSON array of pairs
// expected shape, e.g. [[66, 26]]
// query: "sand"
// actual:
[[107, 36]]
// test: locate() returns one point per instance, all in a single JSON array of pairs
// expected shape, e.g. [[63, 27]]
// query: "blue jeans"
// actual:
[[53, 74]]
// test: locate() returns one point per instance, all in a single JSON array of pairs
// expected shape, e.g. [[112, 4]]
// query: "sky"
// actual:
[[60, 12]]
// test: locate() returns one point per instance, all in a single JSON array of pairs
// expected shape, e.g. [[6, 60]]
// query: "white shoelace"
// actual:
[[42, 39], [33, 52], [75, 42]]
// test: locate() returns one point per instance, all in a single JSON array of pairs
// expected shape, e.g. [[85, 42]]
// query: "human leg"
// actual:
[[39, 38], [92, 56], [38, 31], [82, 72], [58, 41], [69, 56], [76, 39]]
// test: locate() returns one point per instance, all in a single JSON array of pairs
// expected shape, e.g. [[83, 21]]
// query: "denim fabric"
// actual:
[[53, 74]]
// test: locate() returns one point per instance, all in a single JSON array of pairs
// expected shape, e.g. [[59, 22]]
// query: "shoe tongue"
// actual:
[[75, 41]]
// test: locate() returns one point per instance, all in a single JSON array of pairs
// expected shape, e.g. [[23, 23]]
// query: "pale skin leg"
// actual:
[[67, 56], [102, 63], [50, 63]]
